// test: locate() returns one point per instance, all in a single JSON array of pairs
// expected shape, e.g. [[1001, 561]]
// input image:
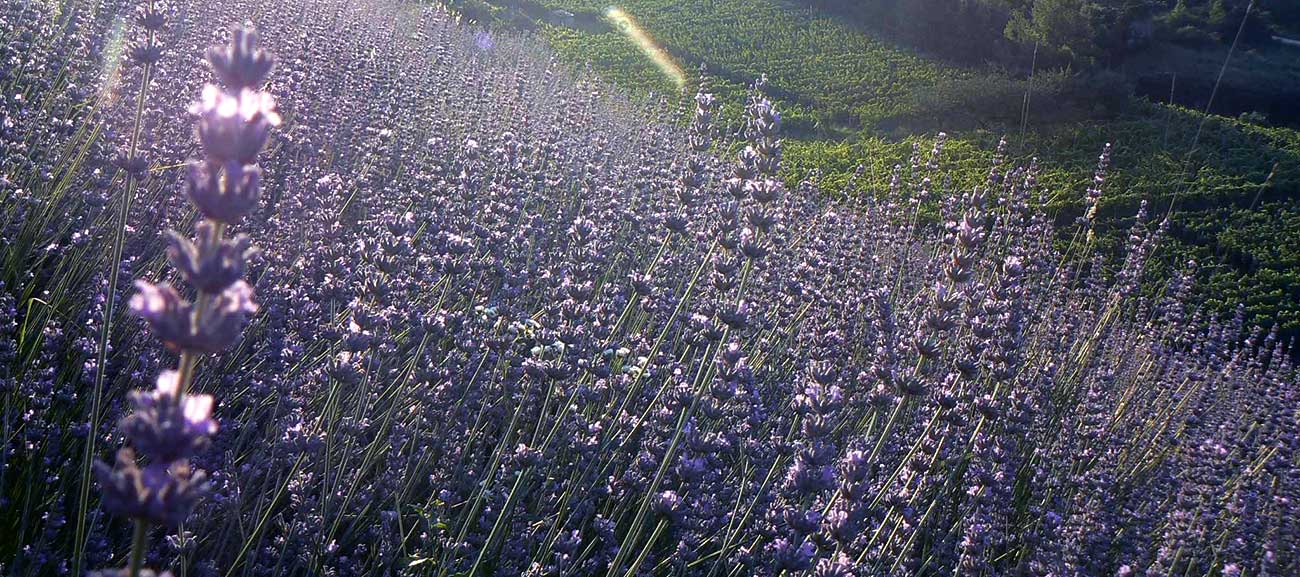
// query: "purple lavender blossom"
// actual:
[[173, 319]]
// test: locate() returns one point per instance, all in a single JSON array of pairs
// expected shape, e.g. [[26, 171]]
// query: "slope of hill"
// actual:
[[852, 97]]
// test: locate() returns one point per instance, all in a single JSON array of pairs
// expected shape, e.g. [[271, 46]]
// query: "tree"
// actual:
[[1070, 31]]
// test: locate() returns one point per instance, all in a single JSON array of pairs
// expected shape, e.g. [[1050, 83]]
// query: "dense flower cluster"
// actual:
[[512, 323]]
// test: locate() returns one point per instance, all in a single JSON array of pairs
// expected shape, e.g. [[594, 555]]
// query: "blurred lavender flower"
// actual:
[[210, 327], [212, 265], [166, 427], [161, 493], [169, 426], [241, 63], [233, 128], [224, 192]]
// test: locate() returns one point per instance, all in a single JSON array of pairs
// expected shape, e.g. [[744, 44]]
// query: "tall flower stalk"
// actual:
[[134, 166], [152, 481]]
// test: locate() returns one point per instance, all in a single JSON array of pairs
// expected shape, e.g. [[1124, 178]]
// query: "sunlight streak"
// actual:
[[113, 52], [660, 57]]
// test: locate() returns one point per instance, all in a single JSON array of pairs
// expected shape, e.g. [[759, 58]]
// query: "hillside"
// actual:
[[852, 96]]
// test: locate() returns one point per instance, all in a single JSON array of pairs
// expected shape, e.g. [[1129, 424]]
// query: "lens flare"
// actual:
[[660, 57], [113, 52]]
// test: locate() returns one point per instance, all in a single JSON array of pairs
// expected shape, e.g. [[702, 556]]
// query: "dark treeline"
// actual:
[[1075, 33]]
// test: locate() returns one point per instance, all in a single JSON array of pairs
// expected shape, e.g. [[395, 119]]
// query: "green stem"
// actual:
[[654, 536], [189, 359], [185, 369], [139, 542], [106, 324]]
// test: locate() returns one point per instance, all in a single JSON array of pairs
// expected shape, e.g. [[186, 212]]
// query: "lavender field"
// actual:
[[436, 305]]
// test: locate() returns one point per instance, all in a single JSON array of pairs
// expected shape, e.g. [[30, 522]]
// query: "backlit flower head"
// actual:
[[242, 63], [233, 127]]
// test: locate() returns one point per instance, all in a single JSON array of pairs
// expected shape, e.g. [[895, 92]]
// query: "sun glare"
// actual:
[[624, 22], [113, 52]]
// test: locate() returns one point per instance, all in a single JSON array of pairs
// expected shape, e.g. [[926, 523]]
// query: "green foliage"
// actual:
[[1264, 80], [1247, 256], [1201, 22], [814, 61], [1075, 31], [620, 62], [1078, 33], [473, 10], [999, 100]]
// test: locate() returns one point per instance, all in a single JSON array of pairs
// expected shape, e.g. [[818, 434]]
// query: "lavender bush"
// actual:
[[511, 322]]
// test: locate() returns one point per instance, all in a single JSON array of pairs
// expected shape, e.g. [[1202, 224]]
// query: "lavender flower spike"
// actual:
[[210, 265], [161, 493], [241, 64], [224, 193], [173, 320], [234, 127], [167, 427]]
